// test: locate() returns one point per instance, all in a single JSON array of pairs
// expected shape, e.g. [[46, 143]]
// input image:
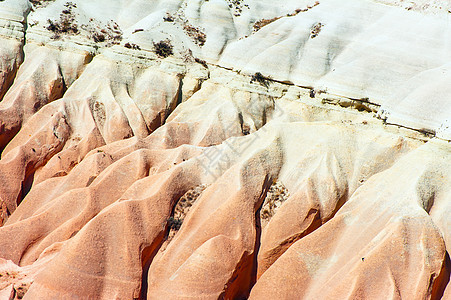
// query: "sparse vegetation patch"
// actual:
[[181, 209], [188, 57], [276, 196], [66, 23], [174, 223], [263, 22], [316, 29], [110, 33], [21, 290], [237, 6], [195, 33]]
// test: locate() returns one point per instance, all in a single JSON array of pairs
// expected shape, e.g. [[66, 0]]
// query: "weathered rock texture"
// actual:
[[225, 149]]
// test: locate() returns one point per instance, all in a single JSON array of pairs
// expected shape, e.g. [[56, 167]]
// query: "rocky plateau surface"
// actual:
[[225, 149]]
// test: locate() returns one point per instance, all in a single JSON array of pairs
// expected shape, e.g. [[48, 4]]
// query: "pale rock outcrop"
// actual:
[[42, 79], [342, 260], [12, 33], [362, 50], [10, 50]]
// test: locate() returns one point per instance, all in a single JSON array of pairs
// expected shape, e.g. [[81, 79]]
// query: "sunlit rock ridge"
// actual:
[[225, 149]]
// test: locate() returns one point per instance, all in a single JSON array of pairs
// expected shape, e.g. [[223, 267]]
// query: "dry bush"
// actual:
[[202, 62], [163, 48], [259, 78], [132, 46]]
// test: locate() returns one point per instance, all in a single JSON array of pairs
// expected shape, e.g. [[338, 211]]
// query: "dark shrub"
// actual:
[[163, 48]]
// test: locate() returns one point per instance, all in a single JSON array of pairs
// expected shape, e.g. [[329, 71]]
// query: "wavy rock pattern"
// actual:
[[252, 162]]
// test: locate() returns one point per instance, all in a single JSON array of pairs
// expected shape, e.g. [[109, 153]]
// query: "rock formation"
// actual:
[[224, 149]]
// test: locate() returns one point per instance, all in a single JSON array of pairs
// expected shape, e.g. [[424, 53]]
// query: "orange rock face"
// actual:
[[124, 176]]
